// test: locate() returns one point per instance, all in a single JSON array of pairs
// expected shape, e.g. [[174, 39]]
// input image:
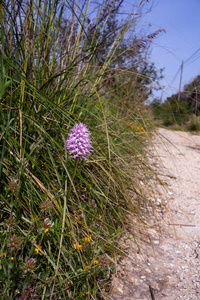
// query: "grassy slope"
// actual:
[[47, 87]]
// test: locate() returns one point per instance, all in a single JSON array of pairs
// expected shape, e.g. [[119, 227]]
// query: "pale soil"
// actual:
[[169, 264]]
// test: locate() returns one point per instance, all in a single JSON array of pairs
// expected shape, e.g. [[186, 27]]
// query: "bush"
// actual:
[[171, 112], [194, 123]]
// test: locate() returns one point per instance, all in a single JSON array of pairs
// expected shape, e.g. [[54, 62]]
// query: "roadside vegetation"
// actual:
[[181, 111], [65, 191]]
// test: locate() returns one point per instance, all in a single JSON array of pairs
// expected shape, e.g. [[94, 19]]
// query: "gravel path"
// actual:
[[168, 267]]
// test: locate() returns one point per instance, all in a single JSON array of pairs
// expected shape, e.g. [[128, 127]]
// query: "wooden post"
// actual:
[[180, 83]]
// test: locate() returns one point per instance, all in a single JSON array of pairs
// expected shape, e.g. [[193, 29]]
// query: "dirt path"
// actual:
[[169, 266]]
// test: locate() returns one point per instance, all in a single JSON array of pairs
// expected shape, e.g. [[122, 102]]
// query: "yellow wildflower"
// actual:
[[11, 258], [88, 293], [99, 216], [78, 247], [37, 250], [86, 239], [8, 196], [47, 229], [95, 262], [85, 267]]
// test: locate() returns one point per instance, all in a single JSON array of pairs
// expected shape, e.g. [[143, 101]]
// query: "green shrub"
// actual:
[[194, 123], [171, 112]]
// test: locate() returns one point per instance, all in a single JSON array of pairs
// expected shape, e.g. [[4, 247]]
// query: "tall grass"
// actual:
[[61, 219]]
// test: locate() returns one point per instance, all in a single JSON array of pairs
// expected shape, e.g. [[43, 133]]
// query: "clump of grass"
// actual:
[[194, 123], [176, 127], [61, 217]]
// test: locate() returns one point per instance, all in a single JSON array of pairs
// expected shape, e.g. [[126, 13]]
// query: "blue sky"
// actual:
[[181, 20]]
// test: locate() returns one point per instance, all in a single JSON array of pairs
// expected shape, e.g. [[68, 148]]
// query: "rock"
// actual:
[[156, 242]]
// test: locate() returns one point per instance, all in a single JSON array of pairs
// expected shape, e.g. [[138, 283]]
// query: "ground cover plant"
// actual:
[[67, 137]]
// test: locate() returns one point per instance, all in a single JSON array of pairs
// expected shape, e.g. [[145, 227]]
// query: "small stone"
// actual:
[[120, 289], [158, 200], [148, 271], [170, 257], [156, 242], [132, 279], [166, 247], [178, 252]]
